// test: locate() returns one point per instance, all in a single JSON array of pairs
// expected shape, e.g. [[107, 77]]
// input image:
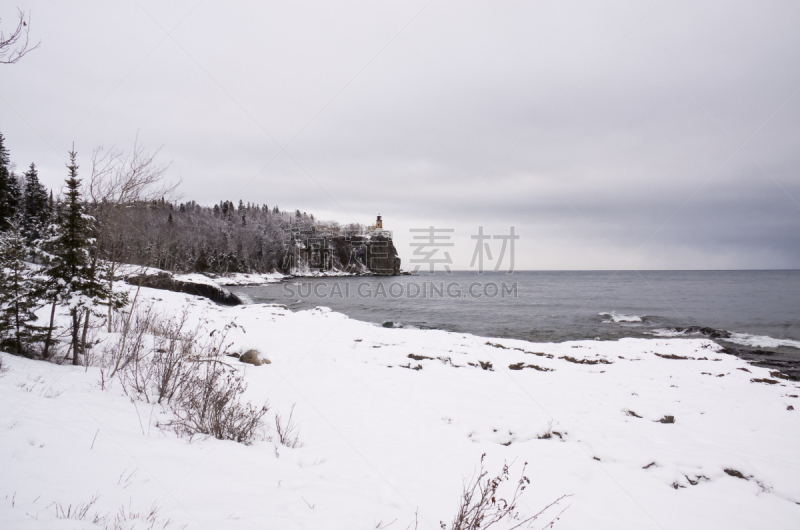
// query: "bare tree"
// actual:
[[16, 45], [119, 180]]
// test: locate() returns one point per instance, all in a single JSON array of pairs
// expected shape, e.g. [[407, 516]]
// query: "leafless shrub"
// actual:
[[156, 361], [288, 433], [208, 399], [163, 362], [127, 354], [482, 506], [550, 433], [172, 366], [210, 403], [3, 369]]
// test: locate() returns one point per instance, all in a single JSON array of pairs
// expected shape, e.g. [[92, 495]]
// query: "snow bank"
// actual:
[[239, 278], [392, 420]]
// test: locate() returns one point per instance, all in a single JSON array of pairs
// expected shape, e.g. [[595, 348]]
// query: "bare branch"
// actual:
[[119, 179], [482, 505], [16, 45]]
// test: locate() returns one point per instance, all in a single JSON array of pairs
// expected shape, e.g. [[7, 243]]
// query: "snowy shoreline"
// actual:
[[392, 420]]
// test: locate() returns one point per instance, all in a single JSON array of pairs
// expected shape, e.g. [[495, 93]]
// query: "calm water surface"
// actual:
[[761, 307]]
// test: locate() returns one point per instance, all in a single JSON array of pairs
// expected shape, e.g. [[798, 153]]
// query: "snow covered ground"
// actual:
[[385, 435], [236, 278], [240, 278]]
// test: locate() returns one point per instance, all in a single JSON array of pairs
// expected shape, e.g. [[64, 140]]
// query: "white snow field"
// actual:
[[388, 440]]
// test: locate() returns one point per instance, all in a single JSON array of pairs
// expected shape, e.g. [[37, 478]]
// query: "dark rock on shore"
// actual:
[[785, 364], [711, 333], [167, 282]]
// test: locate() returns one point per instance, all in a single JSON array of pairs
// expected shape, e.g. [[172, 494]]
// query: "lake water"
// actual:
[[760, 308]]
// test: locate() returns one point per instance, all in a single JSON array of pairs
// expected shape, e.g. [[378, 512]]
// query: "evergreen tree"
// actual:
[[18, 299], [201, 263], [50, 288], [72, 269], [9, 188], [35, 207]]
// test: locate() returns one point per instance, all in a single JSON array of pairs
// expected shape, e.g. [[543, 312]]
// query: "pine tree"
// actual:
[[50, 288], [201, 263], [71, 270], [18, 299], [35, 207], [9, 189]]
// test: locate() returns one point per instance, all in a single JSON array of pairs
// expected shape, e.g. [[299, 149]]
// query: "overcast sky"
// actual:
[[633, 135]]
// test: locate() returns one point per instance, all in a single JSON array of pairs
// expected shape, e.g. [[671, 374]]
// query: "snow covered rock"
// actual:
[[204, 287], [251, 357]]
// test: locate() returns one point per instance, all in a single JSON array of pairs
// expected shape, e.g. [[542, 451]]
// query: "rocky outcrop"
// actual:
[[375, 254], [785, 364], [167, 282], [711, 333], [313, 253]]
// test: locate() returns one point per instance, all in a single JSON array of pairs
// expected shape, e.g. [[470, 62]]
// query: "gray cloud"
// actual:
[[610, 134]]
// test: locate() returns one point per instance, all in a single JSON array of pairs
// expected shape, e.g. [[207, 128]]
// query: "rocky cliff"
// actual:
[[372, 253]]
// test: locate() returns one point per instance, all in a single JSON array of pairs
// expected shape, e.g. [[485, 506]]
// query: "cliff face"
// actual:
[[376, 254], [373, 253]]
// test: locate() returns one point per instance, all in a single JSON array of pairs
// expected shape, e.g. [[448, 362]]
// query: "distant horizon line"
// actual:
[[601, 270]]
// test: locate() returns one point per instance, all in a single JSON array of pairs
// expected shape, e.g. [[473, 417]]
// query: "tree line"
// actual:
[[67, 249], [59, 235]]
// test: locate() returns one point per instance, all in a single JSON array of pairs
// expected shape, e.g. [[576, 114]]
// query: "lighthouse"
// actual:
[[378, 224]]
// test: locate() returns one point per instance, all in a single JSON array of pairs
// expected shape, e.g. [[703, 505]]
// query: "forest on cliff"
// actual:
[[139, 219]]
